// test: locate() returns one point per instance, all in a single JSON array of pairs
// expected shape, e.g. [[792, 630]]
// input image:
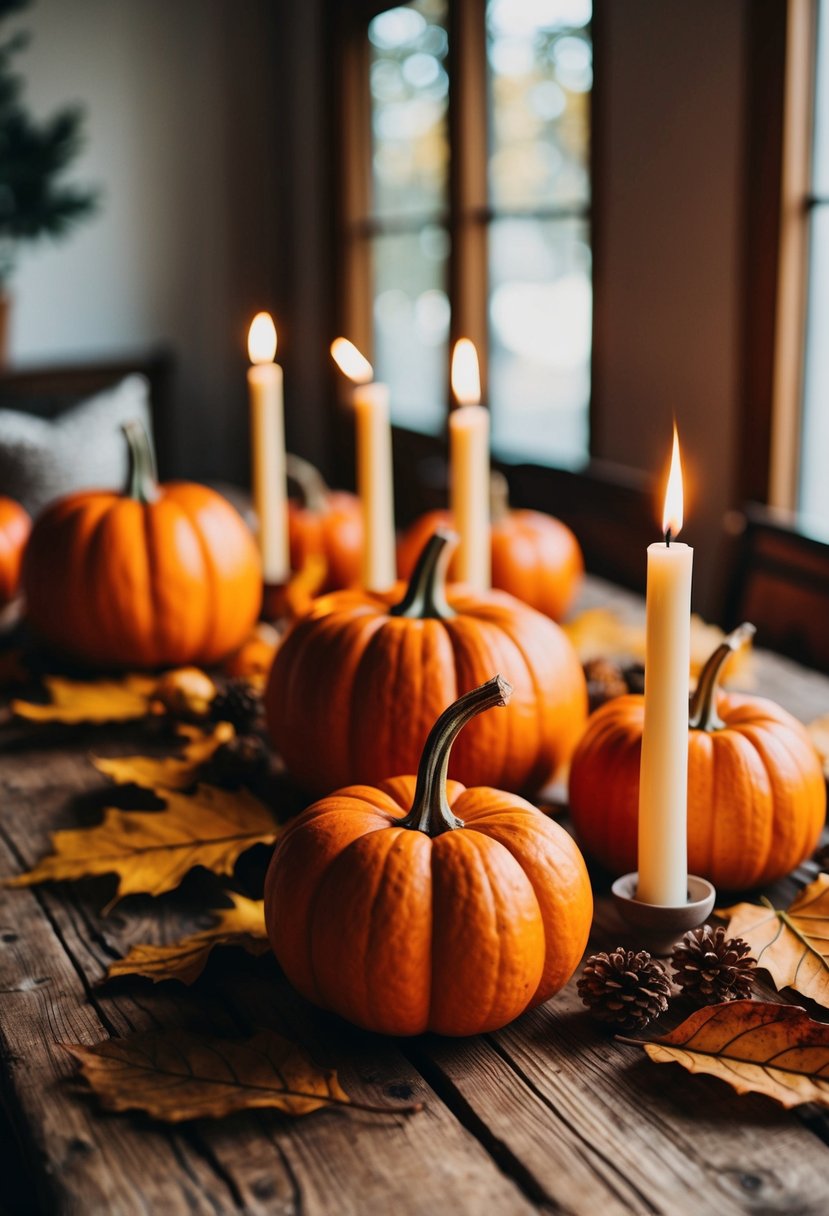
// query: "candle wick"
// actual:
[[668, 538]]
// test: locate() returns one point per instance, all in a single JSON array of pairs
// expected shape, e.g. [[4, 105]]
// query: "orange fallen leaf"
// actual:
[[168, 772], [791, 944], [243, 925], [151, 851], [304, 584], [74, 701], [755, 1047], [173, 1076]]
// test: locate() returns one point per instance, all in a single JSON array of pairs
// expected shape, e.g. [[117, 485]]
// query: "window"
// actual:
[[474, 217]]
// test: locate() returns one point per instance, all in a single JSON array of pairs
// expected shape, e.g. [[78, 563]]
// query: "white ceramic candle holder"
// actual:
[[658, 927]]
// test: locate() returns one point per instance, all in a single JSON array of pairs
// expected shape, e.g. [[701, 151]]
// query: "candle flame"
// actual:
[[672, 514], [262, 339], [466, 375], [349, 360]]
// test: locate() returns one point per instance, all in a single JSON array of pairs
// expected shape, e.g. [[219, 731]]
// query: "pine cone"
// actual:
[[711, 968], [238, 703], [604, 681], [240, 761], [626, 988]]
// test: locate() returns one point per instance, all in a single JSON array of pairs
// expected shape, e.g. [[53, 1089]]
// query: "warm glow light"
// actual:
[[262, 339], [672, 514], [349, 360], [466, 376]]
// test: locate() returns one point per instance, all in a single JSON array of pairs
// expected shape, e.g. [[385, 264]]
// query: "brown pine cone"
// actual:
[[604, 681], [711, 968], [240, 761], [238, 703], [626, 988]]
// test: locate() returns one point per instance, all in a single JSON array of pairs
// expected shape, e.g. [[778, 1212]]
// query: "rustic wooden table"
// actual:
[[548, 1115]]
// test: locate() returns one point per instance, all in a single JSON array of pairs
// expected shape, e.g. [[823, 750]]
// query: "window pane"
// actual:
[[540, 324], [541, 71], [409, 96], [820, 184], [814, 483], [411, 324]]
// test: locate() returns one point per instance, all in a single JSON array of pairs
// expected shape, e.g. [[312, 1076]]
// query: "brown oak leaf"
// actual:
[[791, 944], [151, 851], [173, 1076], [74, 701], [754, 1046], [242, 925], [168, 772]]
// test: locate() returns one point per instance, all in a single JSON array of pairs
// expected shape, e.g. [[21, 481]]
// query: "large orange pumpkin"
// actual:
[[756, 793], [158, 576], [325, 522], [358, 681], [15, 526], [534, 556], [421, 905]]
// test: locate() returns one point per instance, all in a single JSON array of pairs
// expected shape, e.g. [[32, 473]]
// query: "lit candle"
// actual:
[[663, 778], [375, 483], [267, 442], [469, 469]]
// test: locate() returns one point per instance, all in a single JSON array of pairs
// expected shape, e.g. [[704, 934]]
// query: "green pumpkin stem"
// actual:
[[703, 712], [142, 479], [312, 488], [430, 811], [426, 593]]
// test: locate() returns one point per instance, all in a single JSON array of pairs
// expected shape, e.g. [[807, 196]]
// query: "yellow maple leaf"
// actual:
[[243, 925], [151, 851], [173, 1075], [74, 701], [168, 772]]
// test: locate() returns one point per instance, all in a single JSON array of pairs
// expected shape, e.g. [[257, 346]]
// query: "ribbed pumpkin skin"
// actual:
[[756, 793], [535, 557], [121, 583], [401, 933], [15, 527], [336, 532], [354, 691]]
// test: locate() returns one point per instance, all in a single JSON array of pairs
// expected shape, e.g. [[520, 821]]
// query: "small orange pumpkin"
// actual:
[[15, 527], [358, 681], [756, 793], [534, 557], [158, 576], [325, 522], [421, 905]]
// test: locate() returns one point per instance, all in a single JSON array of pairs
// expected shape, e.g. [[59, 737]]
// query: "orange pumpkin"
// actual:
[[535, 557], [158, 576], [756, 793], [15, 526], [325, 522], [422, 905], [358, 681]]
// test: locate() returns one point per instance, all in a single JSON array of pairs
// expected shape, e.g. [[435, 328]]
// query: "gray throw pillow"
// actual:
[[82, 448]]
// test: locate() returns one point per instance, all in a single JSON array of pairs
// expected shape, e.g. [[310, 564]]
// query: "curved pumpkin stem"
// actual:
[[430, 811], [498, 497], [142, 479], [312, 486], [703, 713], [426, 593]]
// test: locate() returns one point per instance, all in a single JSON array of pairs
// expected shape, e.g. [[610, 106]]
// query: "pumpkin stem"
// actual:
[[142, 479], [430, 811], [703, 713], [312, 488], [426, 593], [498, 497]]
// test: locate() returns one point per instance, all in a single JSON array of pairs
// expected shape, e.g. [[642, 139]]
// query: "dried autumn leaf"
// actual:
[[151, 851], [242, 925], [754, 1046], [76, 701], [175, 1076], [791, 944], [168, 772], [304, 584]]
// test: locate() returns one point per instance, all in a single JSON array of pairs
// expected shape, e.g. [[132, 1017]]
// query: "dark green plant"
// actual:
[[33, 155]]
